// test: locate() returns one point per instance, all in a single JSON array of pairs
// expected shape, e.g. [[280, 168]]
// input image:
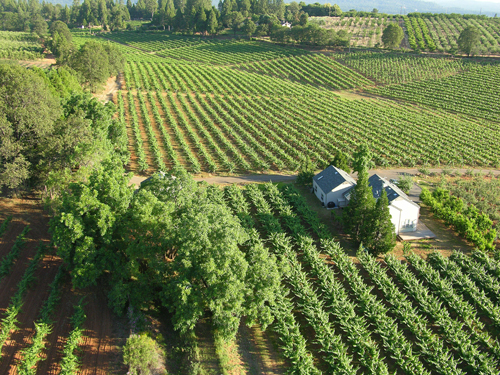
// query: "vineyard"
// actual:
[[37, 304], [473, 92], [394, 68], [20, 46], [364, 31], [221, 117], [226, 106], [215, 133], [362, 327], [426, 32], [441, 33]]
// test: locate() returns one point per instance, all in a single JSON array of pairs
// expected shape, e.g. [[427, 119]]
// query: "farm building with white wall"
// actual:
[[333, 187], [330, 186]]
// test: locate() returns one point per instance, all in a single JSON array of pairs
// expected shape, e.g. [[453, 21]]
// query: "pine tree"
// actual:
[[378, 233], [359, 210], [212, 23]]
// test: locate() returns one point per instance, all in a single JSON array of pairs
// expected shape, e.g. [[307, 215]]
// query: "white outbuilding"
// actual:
[[333, 187], [404, 212], [330, 186]]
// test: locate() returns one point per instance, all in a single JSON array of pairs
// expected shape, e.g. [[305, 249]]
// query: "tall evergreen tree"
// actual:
[[379, 236], [362, 159], [359, 210], [212, 25]]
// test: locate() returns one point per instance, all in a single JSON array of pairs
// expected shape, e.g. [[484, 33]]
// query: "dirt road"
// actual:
[[247, 179]]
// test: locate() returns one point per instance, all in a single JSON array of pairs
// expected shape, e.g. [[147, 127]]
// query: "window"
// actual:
[[316, 188], [321, 196]]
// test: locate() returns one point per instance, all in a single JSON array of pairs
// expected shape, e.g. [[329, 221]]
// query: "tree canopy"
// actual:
[[468, 40], [392, 35], [50, 129], [96, 62], [28, 112], [173, 241]]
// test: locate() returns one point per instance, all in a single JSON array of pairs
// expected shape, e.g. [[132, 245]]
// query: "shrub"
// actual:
[[143, 355], [306, 172], [405, 183], [424, 171]]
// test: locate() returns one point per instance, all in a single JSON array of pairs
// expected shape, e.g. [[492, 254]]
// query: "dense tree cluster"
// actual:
[[253, 17], [392, 36], [173, 242], [469, 40], [49, 128], [33, 16]]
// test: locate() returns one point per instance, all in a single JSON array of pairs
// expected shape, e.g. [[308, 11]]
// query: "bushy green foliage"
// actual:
[[468, 40], [356, 216], [51, 130], [366, 219], [142, 355], [28, 112], [392, 36], [379, 235], [341, 161], [306, 172], [102, 226], [96, 62], [470, 223], [405, 183]]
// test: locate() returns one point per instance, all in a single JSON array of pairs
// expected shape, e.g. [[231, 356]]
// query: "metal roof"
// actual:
[[378, 183], [332, 177]]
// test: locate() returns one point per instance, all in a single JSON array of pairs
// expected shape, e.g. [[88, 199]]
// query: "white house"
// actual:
[[330, 186], [404, 211]]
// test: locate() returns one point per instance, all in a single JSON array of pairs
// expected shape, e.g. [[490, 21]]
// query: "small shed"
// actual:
[[330, 185]]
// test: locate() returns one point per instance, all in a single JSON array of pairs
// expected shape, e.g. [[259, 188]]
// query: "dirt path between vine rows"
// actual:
[[113, 84]]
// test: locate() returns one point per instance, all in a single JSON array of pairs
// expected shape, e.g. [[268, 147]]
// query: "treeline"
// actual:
[[193, 16], [52, 131], [310, 34], [33, 16]]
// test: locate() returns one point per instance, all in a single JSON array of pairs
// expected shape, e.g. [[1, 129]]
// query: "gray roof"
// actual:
[[332, 177], [378, 183]]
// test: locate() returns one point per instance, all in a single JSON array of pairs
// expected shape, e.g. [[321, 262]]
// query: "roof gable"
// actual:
[[393, 192], [332, 177], [378, 184]]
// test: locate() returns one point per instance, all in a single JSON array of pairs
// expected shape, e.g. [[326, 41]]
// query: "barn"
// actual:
[[330, 186]]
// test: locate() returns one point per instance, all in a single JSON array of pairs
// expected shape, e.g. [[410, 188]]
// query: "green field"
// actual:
[[273, 113]]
